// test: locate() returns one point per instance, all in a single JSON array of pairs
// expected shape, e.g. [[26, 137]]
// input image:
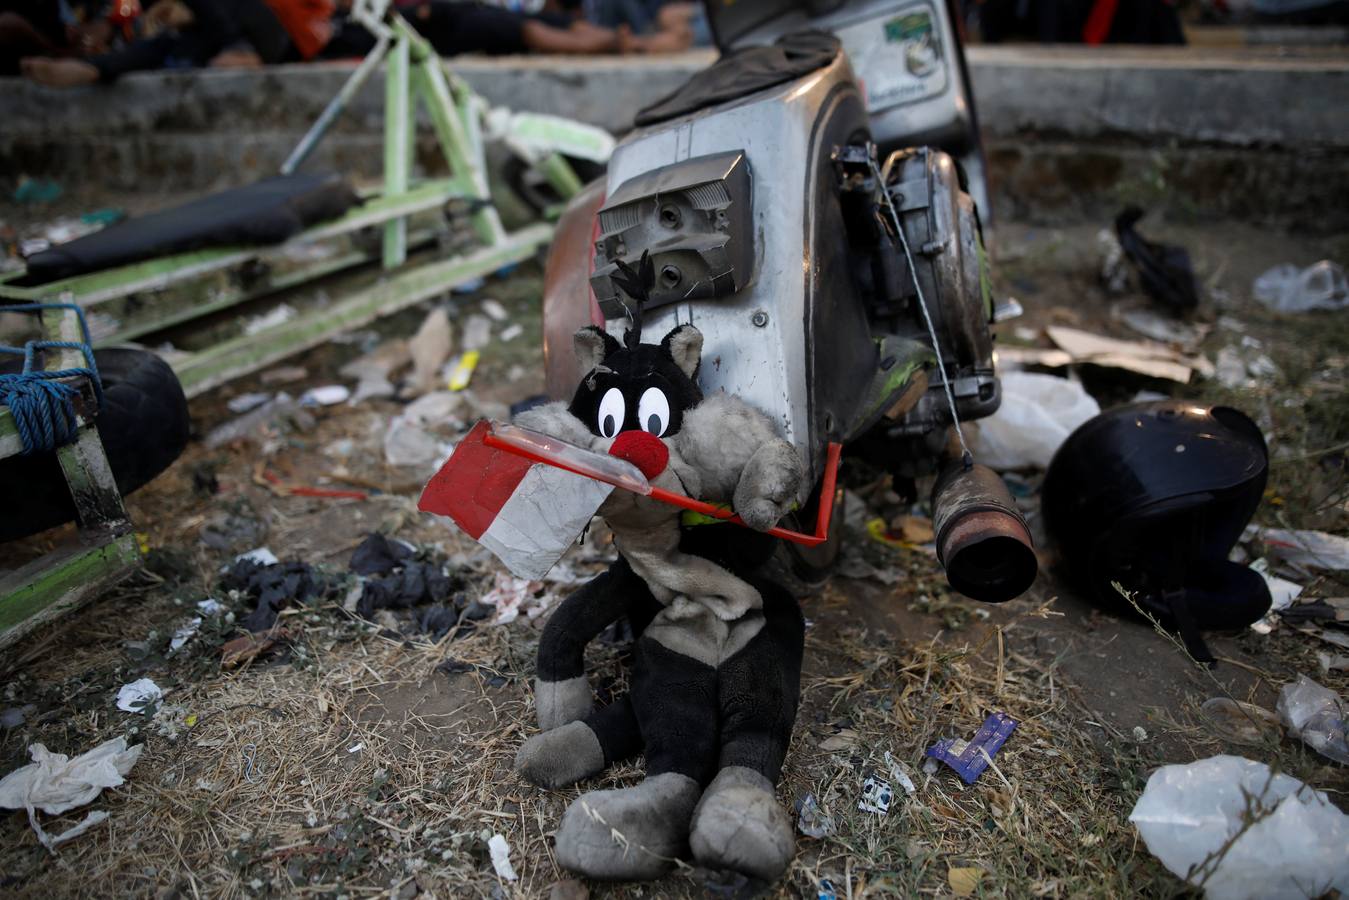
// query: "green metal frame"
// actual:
[[105, 550], [138, 299], [131, 301]]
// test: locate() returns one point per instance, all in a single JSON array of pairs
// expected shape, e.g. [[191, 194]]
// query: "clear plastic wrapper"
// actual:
[[600, 466]]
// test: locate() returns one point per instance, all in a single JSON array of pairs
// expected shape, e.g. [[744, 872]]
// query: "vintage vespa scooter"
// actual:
[[809, 202]]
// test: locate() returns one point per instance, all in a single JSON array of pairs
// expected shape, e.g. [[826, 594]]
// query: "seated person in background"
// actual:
[[37, 28], [664, 26], [281, 31], [454, 28], [196, 33], [248, 33], [1079, 21]]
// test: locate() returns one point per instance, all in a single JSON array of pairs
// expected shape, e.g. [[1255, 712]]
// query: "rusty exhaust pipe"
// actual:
[[982, 539]]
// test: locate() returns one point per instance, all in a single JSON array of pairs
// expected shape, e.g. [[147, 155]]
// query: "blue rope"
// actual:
[[42, 404]]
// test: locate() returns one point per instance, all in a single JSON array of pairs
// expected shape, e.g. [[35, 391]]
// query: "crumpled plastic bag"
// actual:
[[1318, 716], [55, 783], [1288, 288], [1037, 414], [1286, 839]]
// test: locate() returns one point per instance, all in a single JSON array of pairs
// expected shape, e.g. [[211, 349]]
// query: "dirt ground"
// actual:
[[364, 757]]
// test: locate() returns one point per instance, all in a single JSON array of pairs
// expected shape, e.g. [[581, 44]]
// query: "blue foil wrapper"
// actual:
[[965, 758]]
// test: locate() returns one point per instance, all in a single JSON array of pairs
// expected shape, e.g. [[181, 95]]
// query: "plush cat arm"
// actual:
[[554, 419], [769, 485], [740, 457]]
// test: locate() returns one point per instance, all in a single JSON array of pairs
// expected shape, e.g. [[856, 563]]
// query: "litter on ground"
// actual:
[[501, 857], [1242, 832], [876, 797], [139, 695], [970, 759], [54, 783], [1318, 716], [1151, 359]]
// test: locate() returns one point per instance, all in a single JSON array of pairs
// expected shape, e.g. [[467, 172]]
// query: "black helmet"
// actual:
[[1154, 496]]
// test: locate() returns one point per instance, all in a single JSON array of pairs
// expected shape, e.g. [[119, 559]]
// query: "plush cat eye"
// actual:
[[653, 411], [612, 412]]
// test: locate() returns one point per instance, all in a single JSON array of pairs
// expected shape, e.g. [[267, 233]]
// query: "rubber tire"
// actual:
[[144, 427]]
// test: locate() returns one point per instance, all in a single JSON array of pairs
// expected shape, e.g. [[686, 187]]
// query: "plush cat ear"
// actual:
[[685, 346], [592, 346]]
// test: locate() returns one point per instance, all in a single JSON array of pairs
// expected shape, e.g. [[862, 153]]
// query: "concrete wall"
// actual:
[[1070, 132], [1250, 134]]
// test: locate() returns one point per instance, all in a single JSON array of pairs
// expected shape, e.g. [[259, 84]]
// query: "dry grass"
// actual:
[[1047, 818], [432, 779]]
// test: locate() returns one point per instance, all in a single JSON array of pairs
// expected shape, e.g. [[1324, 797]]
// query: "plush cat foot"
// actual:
[[630, 834], [560, 702], [739, 825], [560, 757]]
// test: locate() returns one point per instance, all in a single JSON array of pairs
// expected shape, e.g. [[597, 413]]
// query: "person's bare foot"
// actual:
[[676, 15], [237, 59], [627, 42], [60, 73], [667, 41]]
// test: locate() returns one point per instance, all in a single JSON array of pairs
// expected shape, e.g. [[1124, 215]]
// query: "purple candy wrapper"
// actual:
[[965, 758]]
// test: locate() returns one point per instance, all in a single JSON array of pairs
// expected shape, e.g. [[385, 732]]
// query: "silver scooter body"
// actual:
[[755, 338], [834, 264], [905, 55]]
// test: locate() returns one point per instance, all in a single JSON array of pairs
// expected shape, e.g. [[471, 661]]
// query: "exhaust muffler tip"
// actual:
[[982, 538]]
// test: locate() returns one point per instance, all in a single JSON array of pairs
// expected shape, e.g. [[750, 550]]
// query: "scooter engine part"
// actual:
[[932, 306], [982, 539], [695, 217], [966, 457]]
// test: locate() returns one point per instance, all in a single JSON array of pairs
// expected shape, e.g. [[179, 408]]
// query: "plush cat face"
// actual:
[[647, 387]]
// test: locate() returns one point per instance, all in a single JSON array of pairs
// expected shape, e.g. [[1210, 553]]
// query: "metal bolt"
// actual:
[[760, 318], [670, 276]]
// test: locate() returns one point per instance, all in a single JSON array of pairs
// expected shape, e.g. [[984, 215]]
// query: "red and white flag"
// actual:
[[526, 513]]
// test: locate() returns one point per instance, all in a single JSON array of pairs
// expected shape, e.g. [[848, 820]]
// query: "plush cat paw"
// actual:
[[761, 514], [768, 486], [560, 702], [560, 757], [631, 834], [739, 825]]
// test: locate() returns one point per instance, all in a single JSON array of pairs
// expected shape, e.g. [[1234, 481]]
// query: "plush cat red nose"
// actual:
[[643, 450]]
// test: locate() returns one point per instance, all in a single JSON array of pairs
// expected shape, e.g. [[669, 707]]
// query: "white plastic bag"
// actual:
[[1286, 840], [406, 443], [1317, 715], [1287, 288], [1037, 414]]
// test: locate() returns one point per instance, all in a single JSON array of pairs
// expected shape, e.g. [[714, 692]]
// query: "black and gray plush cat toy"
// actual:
[[716, 665]]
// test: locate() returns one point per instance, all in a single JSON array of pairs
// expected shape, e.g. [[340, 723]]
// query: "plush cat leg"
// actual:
[[579, 750], [738, 823], [562, 691], [632, 834], [636, 833]]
